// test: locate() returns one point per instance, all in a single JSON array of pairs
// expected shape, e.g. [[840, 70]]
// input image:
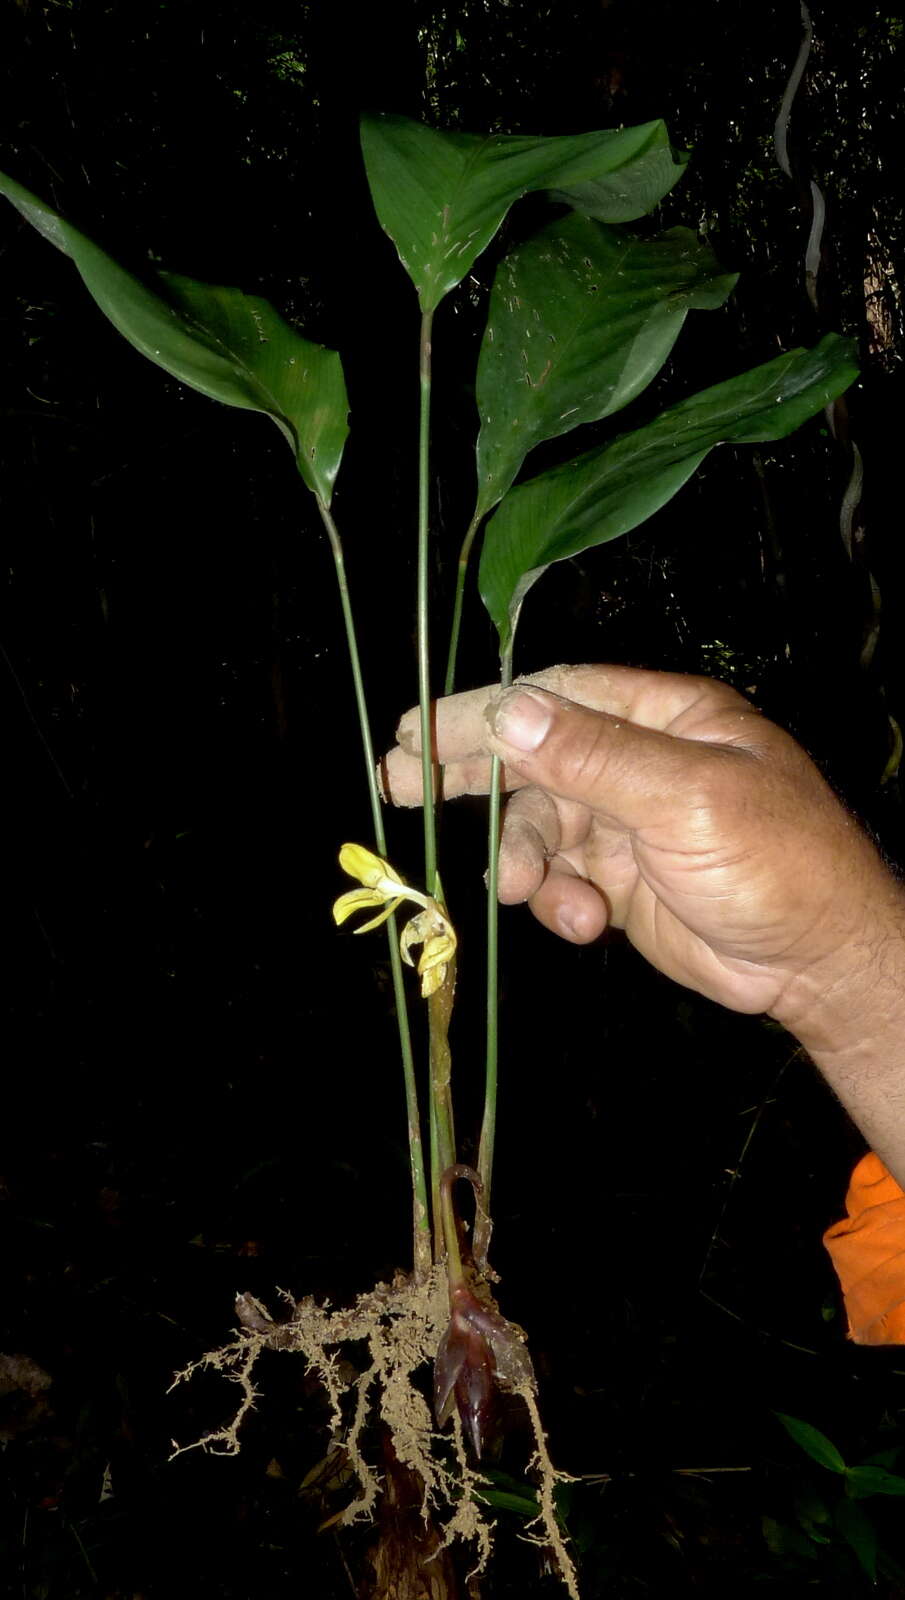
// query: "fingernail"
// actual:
[[520, 719]]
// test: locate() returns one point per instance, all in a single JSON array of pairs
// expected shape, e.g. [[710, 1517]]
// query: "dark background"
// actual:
[[201, 1090]]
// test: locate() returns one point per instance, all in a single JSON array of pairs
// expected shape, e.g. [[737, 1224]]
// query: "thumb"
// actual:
[[632, 774]]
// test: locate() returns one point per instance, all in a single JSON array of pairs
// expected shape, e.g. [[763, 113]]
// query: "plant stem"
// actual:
[[455, 1276], [424, 685], [456, 628], [435, 1181], [488, 1124], [420, 1211], [443, 1137]]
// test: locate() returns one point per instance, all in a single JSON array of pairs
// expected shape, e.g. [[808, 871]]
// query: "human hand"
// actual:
[[668, 806]]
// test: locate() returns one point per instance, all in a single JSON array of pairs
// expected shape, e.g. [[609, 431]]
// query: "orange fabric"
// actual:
[[867, 1250]]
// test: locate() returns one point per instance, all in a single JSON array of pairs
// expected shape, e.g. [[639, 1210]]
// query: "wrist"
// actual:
[[850, 1003]]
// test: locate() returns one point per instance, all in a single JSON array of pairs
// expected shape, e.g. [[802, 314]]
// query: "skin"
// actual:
[[669, 807]]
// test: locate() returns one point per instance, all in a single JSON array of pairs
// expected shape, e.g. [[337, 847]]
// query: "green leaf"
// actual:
[[813, 1513], [504, 1500], [859, 1533], [442, 196], [581, 318], [612, 489], [507, 1493], [884, 1458], [231, 346], [812, 1441], [865, 1480], [783, 1540], [633, 192]]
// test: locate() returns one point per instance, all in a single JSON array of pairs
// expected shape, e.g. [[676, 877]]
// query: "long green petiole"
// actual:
[[488, 1123], [420, 1209], [424, 686], [455, 630], [443, 1141]]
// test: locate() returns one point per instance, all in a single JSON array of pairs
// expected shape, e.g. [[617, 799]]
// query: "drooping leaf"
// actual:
[[813, 1442], [581, 318], [231, 346], [442, 196], [612, 489]]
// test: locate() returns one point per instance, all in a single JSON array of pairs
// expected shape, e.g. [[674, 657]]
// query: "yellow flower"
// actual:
[[431, 928], [434, 932]]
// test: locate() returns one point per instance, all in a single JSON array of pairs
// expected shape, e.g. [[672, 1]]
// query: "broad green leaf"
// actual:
[[812, 1441], [231, 346], [859, 1533], [442, 196], [581, 318], [865, 1480], [612, 489]]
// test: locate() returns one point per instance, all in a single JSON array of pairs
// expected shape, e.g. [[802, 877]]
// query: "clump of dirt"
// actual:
[[401, 1325]]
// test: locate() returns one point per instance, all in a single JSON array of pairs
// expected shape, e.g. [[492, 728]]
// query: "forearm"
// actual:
[[850, 1017]]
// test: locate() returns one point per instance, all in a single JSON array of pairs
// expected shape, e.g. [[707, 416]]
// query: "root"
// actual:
[[401, 1325]]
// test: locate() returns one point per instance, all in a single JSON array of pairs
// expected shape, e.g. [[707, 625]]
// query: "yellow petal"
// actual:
[[433, 980], [435, 933], [414, 932], [376, 921], [364, 865], [355, 900], [437, 951]]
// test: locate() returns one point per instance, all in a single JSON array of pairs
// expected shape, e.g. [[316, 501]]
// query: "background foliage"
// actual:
[[186, 1113]]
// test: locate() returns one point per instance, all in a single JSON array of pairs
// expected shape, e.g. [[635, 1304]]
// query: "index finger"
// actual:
[[658, 700], [667, 702]]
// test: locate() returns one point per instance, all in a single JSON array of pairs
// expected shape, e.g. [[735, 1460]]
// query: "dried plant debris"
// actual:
[[401, 1325]]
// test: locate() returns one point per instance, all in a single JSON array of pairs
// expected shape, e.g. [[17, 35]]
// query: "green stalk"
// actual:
[[420, 1211], [424, 685], [443, 1141], [488, 1124], [443, 1138], [456, 628]]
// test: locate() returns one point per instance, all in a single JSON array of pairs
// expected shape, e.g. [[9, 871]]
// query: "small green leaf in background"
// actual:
[[865, 1480], [506, 1500], [813, 1513], [859, 1533], [612, 489], [230, 346], [442, 196], [506, 1493], [783, 1540], [581, 318], [813, 1442]]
